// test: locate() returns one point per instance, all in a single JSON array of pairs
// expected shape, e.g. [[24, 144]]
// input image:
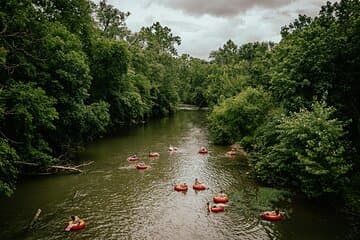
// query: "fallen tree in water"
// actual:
[[34, 220], [54, 169]]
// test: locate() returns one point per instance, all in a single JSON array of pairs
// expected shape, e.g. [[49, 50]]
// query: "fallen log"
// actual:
[[74, 169], [27, 163], [84, 164], [66, 168], [37, 214]]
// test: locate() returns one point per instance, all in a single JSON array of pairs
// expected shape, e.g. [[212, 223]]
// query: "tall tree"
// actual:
[[111, 20], [158, 38], [228, 54]]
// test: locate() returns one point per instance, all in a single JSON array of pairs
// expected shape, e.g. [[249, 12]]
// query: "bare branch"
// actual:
[[9, 139]]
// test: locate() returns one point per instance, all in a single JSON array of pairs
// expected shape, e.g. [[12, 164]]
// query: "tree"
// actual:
[[111, 21], [158, 39], [228, 54], [29, 116], [320, 56], [305, 150], [109, 66], [8, 172], [237, 118]]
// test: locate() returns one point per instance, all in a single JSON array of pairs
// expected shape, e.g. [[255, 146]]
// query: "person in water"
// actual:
[[197, 182], [218, 205], [221, 194], [171, 148], [183, 185], [75, 220], [203, 149], [276, 212], [209, 206]]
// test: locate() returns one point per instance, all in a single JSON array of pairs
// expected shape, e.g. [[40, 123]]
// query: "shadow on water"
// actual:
[[120, 202]]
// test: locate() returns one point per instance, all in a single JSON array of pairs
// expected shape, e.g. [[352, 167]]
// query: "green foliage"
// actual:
[[67, 77], [228, 54], [232, 68], [8, 171], [238, 117], [29, 116], [321, 56], [153, 56], [74, 15], [2, 55], [95, 119], [193, 80], [305, 150], [223, 82], [66, 69], [109, 64], [158, 39], [111, 21], [254, 200]]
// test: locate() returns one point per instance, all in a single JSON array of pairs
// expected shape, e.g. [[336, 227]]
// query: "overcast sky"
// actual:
[[205, 25]]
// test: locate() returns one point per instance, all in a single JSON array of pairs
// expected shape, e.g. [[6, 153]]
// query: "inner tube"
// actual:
[[81, 225], [221, 199], [231, 153], [181, 188], [203, 151], [217, 209], [154, 154], [268, 216], [141, 166], [133, 158], [199, 187]]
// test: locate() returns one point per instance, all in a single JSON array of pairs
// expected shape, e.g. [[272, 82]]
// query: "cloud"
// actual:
[[205, 26], [225, 8]]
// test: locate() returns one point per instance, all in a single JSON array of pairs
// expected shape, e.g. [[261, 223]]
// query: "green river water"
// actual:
[[120, 202]]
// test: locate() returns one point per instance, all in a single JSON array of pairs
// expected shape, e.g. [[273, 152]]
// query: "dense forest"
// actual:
[[71, 72]]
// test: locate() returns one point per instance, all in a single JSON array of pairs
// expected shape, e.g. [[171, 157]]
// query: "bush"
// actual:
[[305, 150], [239, 116]]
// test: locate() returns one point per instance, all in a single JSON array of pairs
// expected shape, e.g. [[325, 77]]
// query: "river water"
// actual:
[[120, 202]]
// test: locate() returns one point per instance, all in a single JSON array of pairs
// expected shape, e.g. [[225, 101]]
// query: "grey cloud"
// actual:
[[206, 25], [225, 8]]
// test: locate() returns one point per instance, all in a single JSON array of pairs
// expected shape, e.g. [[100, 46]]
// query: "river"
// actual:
[[120, 202]]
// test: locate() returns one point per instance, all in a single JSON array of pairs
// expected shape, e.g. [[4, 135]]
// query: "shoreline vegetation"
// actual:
[[73, 72]]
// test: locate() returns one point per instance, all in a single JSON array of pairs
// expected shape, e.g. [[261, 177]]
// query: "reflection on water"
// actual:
[[120, 202]]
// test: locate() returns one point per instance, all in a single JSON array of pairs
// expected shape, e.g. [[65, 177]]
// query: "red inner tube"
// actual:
[[141, 166], [203, 151], [133, 158], [217, 209], [79, 226], [199, 187], [180, 188], [221, 199], [154, 154], [270, 217]]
